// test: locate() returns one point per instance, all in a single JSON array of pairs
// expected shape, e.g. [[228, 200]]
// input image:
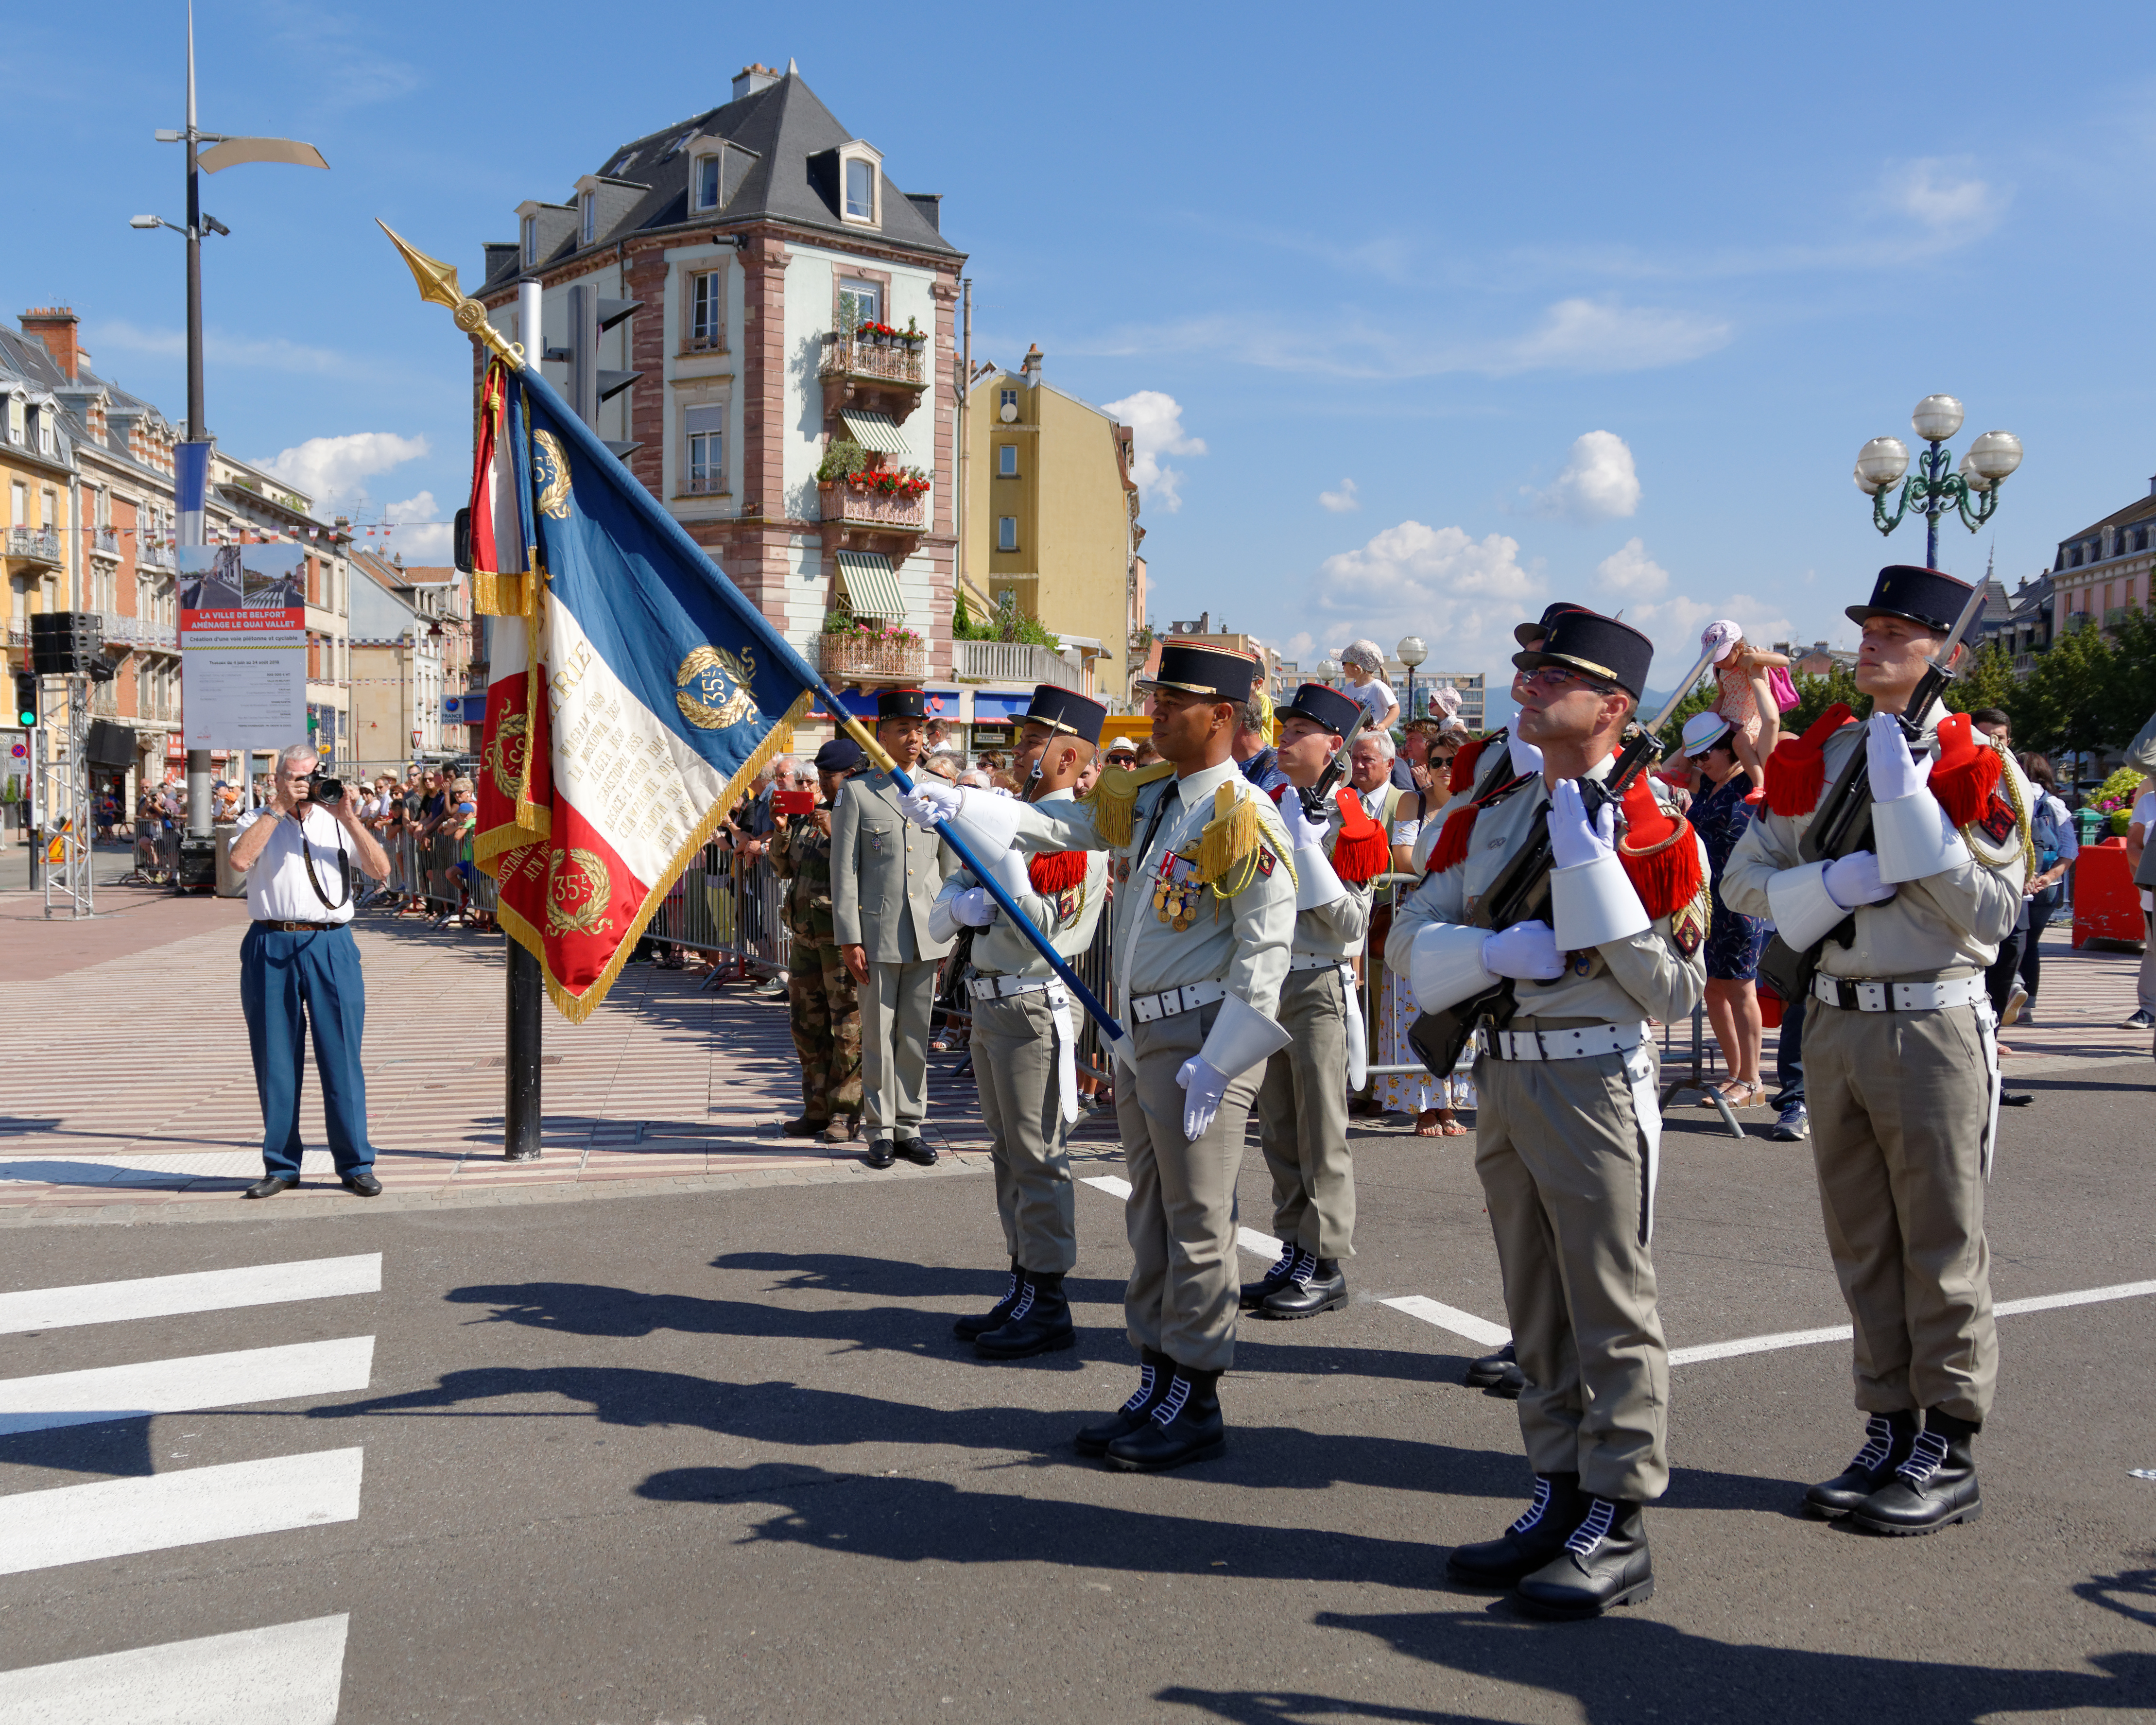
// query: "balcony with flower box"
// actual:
[[874, 509], [875, 366], [863, 650]]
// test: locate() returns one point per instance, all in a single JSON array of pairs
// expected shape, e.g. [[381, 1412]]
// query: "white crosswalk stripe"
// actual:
[[281, 1674]]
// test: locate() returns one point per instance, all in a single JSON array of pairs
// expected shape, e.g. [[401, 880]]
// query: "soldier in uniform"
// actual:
[[1025, 1036], [821, 995], [1205, 895], [884, 876], [1900, 1064], [1303, 1102], [1568, 1131]]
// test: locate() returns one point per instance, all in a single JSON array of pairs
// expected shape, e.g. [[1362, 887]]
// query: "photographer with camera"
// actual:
[[298, 962]]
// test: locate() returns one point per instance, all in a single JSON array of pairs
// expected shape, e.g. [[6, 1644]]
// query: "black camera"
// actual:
[[325, 790]]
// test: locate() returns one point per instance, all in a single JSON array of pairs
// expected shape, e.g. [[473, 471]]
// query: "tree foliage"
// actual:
[[1989, 680]]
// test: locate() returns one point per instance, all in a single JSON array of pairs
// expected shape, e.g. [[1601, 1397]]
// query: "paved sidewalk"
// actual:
[[130, 1086]]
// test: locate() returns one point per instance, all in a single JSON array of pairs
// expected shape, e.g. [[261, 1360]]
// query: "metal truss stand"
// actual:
[[1678, 1089], [71, 813]]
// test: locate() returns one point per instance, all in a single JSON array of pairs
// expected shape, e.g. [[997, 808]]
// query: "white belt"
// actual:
[[1561, 1045], [1852, 995], [1314, 961], [1165, 1004], [992, 988]]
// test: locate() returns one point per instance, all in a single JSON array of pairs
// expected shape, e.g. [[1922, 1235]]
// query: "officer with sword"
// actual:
[[1563, 929]]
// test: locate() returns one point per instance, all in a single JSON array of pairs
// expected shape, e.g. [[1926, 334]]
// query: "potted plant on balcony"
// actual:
[[914, 338]]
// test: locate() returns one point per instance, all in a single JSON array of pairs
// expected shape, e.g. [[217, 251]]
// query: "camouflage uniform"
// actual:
[[825, 1010]]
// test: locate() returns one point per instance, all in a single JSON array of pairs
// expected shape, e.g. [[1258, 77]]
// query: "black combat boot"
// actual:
[[1253, 1293], [1185, 1427], [1155, 1372], [1039, 1323], [1604, 1563], [1935, 1486], [995, 1317], [1316, 1286], [1528, 1544], [1887, 1440]]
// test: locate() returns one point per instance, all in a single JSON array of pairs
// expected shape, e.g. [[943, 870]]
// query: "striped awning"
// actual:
[[871, 585], [874, 431]]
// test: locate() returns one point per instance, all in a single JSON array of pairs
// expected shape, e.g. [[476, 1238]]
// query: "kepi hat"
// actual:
[[901, 704], [1189, 667], [1920, 595], [1325, 707], [1595, 646], [1065, 712], [1528, 634]]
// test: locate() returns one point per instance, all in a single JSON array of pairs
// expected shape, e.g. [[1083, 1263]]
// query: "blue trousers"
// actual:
[[286, 979]]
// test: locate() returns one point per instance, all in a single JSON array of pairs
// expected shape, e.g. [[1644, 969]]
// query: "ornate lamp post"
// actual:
[[1931, 489], [1412, 652]]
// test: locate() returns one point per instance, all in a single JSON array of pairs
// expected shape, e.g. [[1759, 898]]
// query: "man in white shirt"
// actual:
[[298, 962]]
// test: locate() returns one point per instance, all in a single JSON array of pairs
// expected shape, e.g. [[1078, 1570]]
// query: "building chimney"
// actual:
[[752, 77], [56, 326], [2151, 485], [1030, 370]]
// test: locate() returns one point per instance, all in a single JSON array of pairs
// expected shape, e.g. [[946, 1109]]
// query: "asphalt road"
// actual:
[[717, 1457]]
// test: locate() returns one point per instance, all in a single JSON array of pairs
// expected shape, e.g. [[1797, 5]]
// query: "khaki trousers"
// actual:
[[1558, 1149], [1302, 1118], [1180, 1213], [1899, 1102], [896, 1002], [1022, 1106]]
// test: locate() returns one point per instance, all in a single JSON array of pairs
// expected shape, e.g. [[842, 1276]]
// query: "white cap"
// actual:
[[1703, 730]]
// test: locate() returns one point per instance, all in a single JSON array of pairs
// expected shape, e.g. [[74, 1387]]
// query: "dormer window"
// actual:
[[528, 243], [860, 190], [703, 178], [861, 184], [15, 420], [587, 218]]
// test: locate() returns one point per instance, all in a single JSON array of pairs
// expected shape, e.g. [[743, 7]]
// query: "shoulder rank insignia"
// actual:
[[1688, 922], [1113, 800]]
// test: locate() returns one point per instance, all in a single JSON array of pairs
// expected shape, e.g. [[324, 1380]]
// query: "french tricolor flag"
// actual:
[[633, 691]]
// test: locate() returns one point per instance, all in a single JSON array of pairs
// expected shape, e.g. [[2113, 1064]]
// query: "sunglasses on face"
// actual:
[[1555, 680]]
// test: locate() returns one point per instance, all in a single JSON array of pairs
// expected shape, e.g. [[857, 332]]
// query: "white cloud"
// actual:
[[1602, 336], [1674, 625], [424, 531], [1954, 205], [1343, 501], [1462, 594], [1600, 482], [1155, 422], [257, 353], [1630, 571], [331, 469]]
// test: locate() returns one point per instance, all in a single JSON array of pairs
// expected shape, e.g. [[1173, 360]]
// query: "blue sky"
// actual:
[[1423, 320]]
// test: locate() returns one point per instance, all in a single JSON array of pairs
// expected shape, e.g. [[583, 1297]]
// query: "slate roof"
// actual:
[[784, 125], [26, 357]]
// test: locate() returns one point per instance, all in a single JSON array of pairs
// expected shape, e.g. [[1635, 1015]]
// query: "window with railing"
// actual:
[[706, 429], [706, 309]]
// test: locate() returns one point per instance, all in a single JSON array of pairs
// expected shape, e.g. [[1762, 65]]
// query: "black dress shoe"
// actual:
[[805, 1126], [1528, 1544], [1252, 1294], [1039, 1323], [1186, 1426], [1509, 1384], [1483, 1373], [364, 1183], [270, 1185], [979, 1324], [1605, 1563], [1934, 1488], [1155, 1370], [2016, 1098], [1318, 1284], [917, 1151], [879, 1154], [1888, 1439]]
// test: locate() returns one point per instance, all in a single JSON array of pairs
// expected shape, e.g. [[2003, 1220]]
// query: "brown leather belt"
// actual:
[[296, 927]]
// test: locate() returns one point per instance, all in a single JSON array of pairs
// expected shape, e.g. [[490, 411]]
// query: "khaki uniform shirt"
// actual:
[[886, 873], [1644, 976], [1949, 924], [1068, 919], [1336, 931]]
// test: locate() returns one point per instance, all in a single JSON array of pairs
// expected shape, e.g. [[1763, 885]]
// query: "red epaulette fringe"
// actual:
[[1360, 853], [1055, 872], [1966, 773], [1796, 771], [1660, 854], [1452, 843], [1463, 763]]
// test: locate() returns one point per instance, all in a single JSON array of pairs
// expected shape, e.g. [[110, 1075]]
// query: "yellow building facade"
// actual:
[[1051, 525]]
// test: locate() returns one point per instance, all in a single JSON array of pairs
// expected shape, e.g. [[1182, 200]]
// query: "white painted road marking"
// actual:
[[79, 1524], [287, 1674], [1758, 1344], [104, 1302], [1452, 1318], [174, 1386], [1264, 1244], [2086, 1297]]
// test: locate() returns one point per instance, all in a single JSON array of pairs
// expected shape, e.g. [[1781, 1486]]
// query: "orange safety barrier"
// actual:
[[2106, 903]]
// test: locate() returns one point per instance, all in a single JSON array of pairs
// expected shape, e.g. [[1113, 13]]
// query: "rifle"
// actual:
[[1843, 823], [1521, 892], [1315, 797]]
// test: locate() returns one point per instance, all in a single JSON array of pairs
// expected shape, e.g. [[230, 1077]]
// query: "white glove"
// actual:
[[1525, 756], [1895, 772], [1526, 951], [974, 908], [932, 802], [1203, 1087], [1302, 831], [1572, 841], [1853, 879], [1718, 637]]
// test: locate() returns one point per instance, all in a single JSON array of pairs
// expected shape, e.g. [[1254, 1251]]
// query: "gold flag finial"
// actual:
[[437, 285]]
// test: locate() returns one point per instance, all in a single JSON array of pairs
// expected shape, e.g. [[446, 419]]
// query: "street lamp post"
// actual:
[[1931, 489], [1412, 652]]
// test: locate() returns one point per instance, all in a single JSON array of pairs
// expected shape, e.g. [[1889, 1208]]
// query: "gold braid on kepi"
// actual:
[[1228, 848], [1113, 800]]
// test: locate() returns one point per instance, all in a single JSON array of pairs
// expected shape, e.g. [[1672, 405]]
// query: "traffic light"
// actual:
[[26, 701], [590, 317]]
